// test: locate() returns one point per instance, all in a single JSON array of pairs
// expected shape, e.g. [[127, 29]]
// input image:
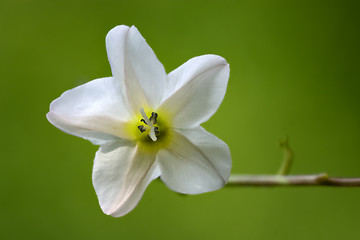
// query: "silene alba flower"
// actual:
[[147, 123]]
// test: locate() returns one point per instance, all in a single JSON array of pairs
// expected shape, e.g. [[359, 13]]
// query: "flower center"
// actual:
[[149, 128]]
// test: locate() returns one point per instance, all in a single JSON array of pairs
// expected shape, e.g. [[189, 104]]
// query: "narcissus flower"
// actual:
[[147, 123]]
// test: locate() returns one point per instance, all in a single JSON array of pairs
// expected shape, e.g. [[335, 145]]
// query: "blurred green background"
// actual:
[[295, 71]]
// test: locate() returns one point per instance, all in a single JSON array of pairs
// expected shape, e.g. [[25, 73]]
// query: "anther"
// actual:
[[156, 130], [153, 117], [142, 128]]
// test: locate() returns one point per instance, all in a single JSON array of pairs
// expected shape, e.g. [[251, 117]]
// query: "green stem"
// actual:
[[293, 180], [288, 158]]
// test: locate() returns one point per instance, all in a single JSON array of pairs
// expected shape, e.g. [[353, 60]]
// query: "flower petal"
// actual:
[[95, 111], [115, 46], [135, 64], [120, 177], [195, 162], [196, 90]]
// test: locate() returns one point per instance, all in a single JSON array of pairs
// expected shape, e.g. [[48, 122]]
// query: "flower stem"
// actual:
[[292, 180], [283, 179]]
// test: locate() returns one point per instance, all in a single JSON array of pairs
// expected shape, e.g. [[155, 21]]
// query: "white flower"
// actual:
[[147, 123]]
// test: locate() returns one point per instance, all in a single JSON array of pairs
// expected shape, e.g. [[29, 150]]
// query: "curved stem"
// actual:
[[288, 157]]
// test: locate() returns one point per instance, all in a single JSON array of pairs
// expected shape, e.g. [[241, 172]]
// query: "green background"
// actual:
[[295, 71]]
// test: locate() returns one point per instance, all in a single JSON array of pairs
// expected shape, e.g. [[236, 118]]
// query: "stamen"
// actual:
[[150, 124], [153, 117], [156, 130], [142, 128]]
